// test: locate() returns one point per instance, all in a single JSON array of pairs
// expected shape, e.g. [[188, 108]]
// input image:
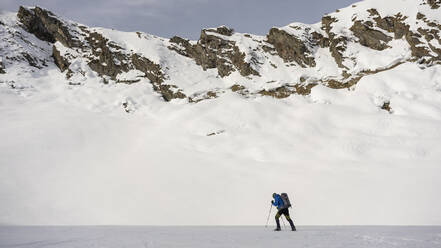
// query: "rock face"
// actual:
[[46, 26], [59, 60], [435, 4], [370, 37], [102, 55], [393, 24], [2, 67], [288, 90], [106, 58], [290, 48], [369, 34], [212, 51], [337, 44], [396, 25], [386, 106], [432, 34]]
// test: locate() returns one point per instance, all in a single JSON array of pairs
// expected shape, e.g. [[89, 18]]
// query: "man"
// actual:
[[282, 209]]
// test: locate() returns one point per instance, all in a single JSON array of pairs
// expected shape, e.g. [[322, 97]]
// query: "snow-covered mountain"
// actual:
[[344, 113], [363, 39]]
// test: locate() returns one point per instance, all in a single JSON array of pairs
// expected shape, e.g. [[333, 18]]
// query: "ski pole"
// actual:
[[267, 219]]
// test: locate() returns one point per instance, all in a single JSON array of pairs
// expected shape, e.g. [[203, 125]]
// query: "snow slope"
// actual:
[[80, 151], [343, 160]]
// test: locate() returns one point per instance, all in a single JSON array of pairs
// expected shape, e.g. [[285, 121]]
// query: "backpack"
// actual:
[[286, 201]]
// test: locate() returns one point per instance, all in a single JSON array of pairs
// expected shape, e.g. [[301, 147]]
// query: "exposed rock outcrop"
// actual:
[[107, 58], [46, 26], [396, 25], [59, 60], [431, 34], [212, 51], [104, 56], [386, 106], [350, 80], [211, 94], [32, 61], [370, 37], [223, 30], [2, 67], [287, 90], [290, 48], [435, 4], [337, 43], [393, 24]]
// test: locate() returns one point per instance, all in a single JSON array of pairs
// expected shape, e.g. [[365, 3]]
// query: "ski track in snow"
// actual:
[[228, 237]]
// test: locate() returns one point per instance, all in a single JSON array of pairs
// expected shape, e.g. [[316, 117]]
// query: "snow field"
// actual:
[[243, 237], [73, 155]]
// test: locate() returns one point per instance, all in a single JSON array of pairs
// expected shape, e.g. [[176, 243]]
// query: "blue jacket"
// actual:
[[278, 202]]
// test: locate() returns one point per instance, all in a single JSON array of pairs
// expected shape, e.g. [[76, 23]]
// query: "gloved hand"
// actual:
[[272, 202]]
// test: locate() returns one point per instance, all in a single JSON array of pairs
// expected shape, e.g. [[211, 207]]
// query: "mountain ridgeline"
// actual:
[[366, 38]]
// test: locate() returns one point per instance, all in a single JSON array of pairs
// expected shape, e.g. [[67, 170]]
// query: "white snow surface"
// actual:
[[243, 237], [70, 154]]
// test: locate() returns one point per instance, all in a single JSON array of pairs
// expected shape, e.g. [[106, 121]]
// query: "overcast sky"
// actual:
[[186, 17]]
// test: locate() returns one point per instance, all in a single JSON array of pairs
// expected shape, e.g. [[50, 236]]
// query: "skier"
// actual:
[[282, 203]]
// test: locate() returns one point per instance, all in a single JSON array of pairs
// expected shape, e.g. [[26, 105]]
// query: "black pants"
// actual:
[[284, 212]]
